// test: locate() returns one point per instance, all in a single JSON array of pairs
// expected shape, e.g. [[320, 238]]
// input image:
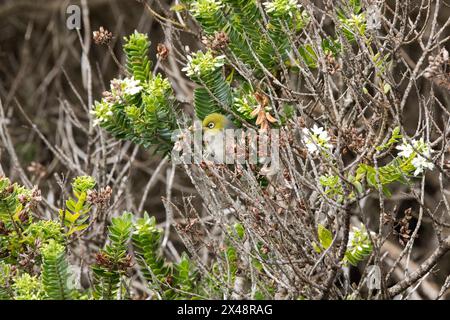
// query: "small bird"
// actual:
[[214, 126], [216, 122]]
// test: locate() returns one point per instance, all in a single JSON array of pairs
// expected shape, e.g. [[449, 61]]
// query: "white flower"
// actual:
[[320, 132], [97, 121], [406, 149], [315, 139], [281, 6], [102, 112], [131, 86], [421, 152], [205, 7], [200, 63], [421, 163]]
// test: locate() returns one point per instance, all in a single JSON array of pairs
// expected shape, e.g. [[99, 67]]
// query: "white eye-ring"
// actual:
[[211, 125]]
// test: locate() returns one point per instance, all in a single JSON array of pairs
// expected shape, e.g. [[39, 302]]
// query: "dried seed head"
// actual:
[[354, 141], [217, 42], [102, 36], [9, 189], [262, 99], [437, 64], [332, 65], [265, 250], [162, 51], [35, 197], [99, 198], [37, 169], [169, 280], [102, 260], [405, 232], [220, 41], [23, 216], [301, 122], [126, 263], [22, 198]]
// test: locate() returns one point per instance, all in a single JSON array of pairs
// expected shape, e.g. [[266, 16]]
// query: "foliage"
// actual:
[[214, 94], [139, 108], [113, 261], [6, 275], [76, 215], [358, 248], [27, 287], [136, 49], [55, 275], [146, 244], [12, 201]]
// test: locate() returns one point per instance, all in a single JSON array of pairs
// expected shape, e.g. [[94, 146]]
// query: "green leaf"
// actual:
[[316, 247], [309, 55], [71, 218], [77, 228], [358, 186], [356, 5], [394, 139], [386, 191], [325, 236], [239, 228]]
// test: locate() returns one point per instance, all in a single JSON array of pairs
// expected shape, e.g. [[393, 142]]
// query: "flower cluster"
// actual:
[[316, 139], [102, 112], [102, 36], [201, 63], [157, 88], [418, 152], [202, 7], [119, 89], [282, 7]]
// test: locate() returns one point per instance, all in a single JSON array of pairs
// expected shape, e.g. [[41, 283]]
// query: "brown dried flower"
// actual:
[[102, 260], [263, 117], [102, 36], [126, 263], [437, 69], [219, 41], [162, 51], [354, 141], [37, 169], [99, 198], [405, 232], [332, 65], [24, 216]]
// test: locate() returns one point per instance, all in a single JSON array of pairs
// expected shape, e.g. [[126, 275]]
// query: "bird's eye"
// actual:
[[211, 125]]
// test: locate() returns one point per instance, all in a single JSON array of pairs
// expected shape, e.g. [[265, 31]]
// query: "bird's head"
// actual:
[[216, 122]]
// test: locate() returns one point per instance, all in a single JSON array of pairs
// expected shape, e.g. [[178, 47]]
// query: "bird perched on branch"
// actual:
[[214, 126]]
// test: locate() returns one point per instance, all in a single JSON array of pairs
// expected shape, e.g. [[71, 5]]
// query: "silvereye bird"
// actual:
[[216, 122], [214, 126]]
